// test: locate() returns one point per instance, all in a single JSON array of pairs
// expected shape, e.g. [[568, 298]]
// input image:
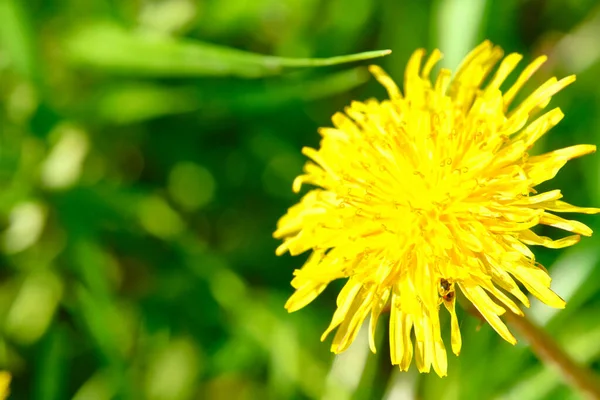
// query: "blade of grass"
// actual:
[[52, 365], [140, 101], [110, 48]]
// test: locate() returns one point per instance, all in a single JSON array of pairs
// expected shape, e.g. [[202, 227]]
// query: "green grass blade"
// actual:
[[140, 101], [110, 48]]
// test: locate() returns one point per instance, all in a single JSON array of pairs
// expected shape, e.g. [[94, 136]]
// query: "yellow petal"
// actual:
[[401, 350], [543, 94], [506, 67], [471, 59], [522, 79], [411, 74], [489, 310], [438, 351], [530, 238], [344, 302], [544, 167], [304, 295], [561, 206], [433, 59], [539, 127], [385, 81], [443, 81], [505, 300], [540, 198], [567, 225], [423, 343], [504, 280], [378, 306], [455, 337], [537, 282], [347, 331]]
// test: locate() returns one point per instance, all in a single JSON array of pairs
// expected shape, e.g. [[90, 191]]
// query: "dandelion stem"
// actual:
[[574, 374]]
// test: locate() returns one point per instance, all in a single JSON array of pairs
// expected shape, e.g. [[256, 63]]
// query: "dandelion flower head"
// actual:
[[429, 193]]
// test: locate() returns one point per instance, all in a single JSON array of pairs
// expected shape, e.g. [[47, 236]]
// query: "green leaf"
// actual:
[[107, 47], [140, 101], [51, 365]]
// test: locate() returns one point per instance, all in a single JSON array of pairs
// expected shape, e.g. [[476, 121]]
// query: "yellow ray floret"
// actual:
[[427, 194]]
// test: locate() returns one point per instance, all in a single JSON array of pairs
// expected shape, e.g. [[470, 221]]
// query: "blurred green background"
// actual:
[[144, 163]]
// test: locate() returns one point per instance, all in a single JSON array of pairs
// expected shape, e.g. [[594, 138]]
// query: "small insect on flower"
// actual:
[[429, 193]]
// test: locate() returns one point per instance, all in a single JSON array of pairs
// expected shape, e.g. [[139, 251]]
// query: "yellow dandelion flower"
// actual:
[[426, 193]]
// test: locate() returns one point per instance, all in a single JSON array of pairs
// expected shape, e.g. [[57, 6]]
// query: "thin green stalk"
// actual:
[[542, 344]]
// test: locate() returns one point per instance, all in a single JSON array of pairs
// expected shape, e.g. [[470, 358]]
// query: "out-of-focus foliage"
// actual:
[[147, 150]]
